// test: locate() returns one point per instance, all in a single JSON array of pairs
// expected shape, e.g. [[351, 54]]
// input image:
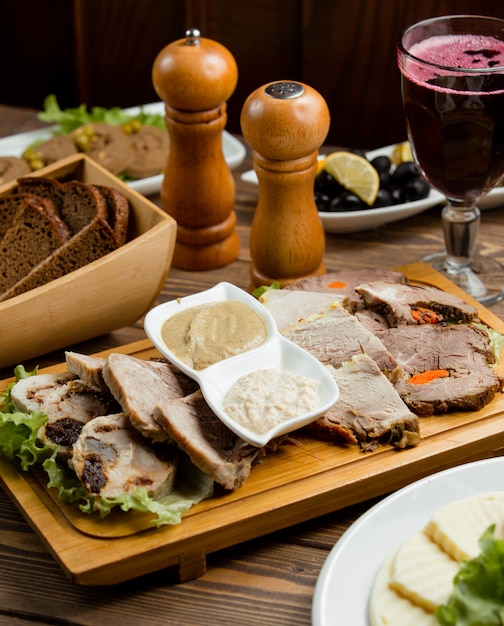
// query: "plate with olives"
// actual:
[[402, 194]]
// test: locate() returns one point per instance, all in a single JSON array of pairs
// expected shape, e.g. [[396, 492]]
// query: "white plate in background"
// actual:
[[15, 145], [356, 221], [346, 579]]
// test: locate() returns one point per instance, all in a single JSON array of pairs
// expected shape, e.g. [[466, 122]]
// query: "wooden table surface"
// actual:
[[270, 580]]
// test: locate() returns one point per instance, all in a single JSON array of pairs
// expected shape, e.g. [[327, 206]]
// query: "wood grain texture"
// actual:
[[346, 50], [269, 580], [302, 480]]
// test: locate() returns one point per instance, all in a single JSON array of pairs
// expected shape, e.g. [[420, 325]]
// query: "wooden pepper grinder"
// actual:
[[285, 123], [195, 77]]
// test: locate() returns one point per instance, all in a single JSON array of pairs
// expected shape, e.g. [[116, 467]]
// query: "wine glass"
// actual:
[[452, 79]]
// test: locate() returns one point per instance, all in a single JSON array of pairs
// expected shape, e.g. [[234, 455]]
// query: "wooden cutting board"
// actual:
[[299, 482]]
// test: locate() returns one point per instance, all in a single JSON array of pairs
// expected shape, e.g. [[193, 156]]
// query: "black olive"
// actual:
[[397, 195], [403, 173], [383, 198], [381, 164], [384, 179], [326, 183], [416, 189], [322, 200], [347, 201]]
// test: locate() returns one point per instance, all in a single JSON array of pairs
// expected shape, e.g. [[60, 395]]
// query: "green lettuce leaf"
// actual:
[[478, 594], [19, 441], [18, 431], [257, 293], [69, 119], [496, 339]]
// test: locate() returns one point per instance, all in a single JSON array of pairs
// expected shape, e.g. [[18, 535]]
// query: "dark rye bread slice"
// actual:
[[93, 242], [117, 212], [33, 236], [12, 205], [78, 203]]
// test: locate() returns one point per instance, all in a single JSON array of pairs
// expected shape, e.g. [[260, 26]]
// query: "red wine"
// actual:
[[456, 119]]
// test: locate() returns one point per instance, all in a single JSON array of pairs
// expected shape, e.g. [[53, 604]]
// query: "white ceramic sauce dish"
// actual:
[[275, 352]]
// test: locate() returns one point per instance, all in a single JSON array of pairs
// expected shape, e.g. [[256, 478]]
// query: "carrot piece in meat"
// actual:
[[424, 316], [427, 376], [337, 284]]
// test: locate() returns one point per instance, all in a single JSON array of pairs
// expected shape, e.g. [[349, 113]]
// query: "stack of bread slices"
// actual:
[[50, 228]]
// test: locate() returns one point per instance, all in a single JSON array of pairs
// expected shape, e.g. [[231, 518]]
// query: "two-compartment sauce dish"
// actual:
[[259, 384]]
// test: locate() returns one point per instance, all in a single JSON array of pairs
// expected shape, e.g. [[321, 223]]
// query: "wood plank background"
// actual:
[[100, 52]]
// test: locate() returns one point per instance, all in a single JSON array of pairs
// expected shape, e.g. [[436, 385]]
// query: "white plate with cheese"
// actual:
[[347, 576], [14, 145]]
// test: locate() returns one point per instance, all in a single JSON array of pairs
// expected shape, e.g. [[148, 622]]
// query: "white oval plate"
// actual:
[[356, 221], [276, 352], [15, 145], [346, 578]]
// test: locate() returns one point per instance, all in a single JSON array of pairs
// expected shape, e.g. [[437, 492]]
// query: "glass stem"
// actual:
[[460, 228]]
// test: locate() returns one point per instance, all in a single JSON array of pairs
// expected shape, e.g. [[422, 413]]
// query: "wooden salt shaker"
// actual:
[[285, 123], [195, 77]]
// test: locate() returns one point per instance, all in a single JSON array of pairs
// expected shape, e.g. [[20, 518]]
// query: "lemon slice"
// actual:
[[321, 165], [355, 173], [401, 153]]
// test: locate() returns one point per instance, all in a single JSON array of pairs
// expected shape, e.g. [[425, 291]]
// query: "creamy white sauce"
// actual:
[[265, 398]]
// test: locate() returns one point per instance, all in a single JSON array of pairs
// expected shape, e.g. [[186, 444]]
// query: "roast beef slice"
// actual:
[[369, 410], [208, 442], [289, 307], [140, 385], [399, 302], [344, 283], [336, 335], [464, 351]]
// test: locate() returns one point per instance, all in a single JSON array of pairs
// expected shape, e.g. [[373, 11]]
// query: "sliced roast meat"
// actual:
[[344, 283], [369, 410], [150, 152], [12, 168], [210, 445], [51, 151], [108, 145], [68, 402], [335, 336], [413, 304], [88, 368], [110, 458], [445, 367], [374, 321], [289, 307], [140, 385]]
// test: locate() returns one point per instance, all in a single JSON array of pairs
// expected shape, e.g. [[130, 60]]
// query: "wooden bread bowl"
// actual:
[[103, 295]]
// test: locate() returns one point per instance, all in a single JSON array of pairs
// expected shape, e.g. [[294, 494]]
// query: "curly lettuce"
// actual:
[[478, 594], [69, 119], [19, 441]]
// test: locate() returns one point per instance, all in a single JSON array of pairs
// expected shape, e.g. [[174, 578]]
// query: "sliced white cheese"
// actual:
[[387, 608], [458, 526], [423, 573]]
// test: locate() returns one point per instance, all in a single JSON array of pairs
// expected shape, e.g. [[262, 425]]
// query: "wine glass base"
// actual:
[[483, 279]]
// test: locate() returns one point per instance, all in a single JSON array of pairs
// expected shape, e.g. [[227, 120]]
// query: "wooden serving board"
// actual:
[[297, 483]]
